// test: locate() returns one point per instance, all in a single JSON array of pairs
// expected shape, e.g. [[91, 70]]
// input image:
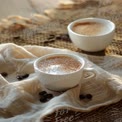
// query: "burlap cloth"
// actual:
[[51, 30]]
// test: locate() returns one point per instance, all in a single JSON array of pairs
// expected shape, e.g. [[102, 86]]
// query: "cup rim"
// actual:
[[78, 58], [69, 27]]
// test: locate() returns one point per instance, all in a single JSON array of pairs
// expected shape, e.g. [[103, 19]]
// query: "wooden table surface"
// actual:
[[24, 8]]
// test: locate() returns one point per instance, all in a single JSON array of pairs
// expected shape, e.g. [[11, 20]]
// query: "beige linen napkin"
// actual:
[[19, 100]]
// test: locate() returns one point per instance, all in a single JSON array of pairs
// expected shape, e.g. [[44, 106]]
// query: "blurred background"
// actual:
[[24, 8]]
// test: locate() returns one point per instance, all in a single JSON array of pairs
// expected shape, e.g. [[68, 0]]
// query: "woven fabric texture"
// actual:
[[50, 30]]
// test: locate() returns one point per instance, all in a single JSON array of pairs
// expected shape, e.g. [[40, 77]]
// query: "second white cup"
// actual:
[[91, 34]]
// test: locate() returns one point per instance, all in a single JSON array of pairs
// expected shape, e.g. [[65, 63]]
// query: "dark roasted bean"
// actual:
[[89, 96], [43, 99], [49, 96], [25, 76], [42, 93], [21, 77], [4, 74], [44, 96], [16, 37], [82, 96]]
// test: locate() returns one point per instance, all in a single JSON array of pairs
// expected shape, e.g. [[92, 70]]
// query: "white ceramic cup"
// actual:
[[92, 43], [62, 82]]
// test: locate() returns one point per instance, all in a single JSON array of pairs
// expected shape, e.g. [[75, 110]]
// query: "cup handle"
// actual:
[[89, 70]]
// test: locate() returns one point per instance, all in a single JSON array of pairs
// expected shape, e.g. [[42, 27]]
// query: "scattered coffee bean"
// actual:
[[44, 96], [42, 93], [21, 77], [4, 74], [25, 76], [49, 96], [89, 96], [43, 99], [82, 96], [16, 37]]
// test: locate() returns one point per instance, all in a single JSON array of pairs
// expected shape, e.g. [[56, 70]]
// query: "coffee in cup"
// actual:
[[61, 71], [59, 65], [89, 28], [91, 34]]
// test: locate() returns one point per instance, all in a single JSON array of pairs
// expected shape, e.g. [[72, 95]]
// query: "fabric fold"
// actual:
[[19, 99]]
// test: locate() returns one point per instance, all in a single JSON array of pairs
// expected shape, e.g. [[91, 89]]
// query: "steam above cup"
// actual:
[[91, 34]]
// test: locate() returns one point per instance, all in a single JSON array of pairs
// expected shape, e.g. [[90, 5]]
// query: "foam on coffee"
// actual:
[[89, 28], [59, 65]]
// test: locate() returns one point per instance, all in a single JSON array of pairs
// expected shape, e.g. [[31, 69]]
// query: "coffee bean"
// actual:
[[89, 96], [4, 74], [25, 76], [82, 96], [44, 96], [43, 99], [21, 77], [42, 93], [16, 37], [49, 96]]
